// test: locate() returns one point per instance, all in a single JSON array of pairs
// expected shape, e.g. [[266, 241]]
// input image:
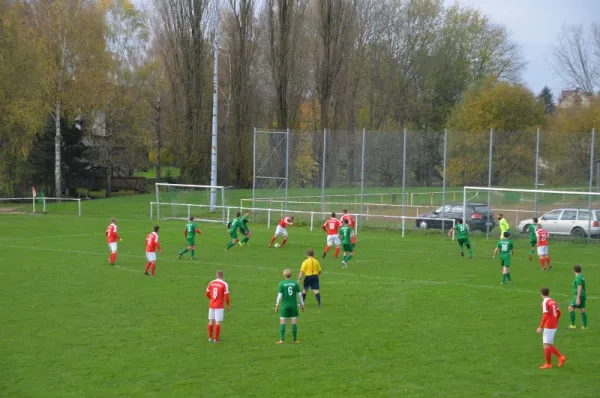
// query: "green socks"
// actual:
[[246, 239], [531, 252], [508, 277], [572, 317], [348, 258], [584, 319], [230, 245], [503, 278], [181, 253], [470, 253], [193, 253], [282, 331], [294, 331]]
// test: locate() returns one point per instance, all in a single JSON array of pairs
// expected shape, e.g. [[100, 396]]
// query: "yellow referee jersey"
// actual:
[[311, 266]]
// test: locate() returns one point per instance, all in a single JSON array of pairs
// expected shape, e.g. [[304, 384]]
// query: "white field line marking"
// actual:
[[357, 277]]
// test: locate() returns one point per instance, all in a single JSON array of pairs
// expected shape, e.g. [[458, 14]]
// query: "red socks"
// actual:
[[337, 252], [283, 242], [217, 332], [113, 258], [548, 355], [554, 351], [147, 266], [542, 261], [272, 240], [326, 249], [548, 261], [210, 330], [153, 267]]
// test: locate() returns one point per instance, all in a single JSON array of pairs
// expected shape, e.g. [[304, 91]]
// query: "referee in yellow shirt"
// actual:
[[311, 269], [503, 224]]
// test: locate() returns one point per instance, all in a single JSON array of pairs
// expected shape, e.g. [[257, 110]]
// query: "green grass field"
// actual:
[[409, 317]]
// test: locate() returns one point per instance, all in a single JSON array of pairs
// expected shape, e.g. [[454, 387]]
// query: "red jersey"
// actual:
[[218, 293], [542, 237], [332, 226], [550, 314], [349, 218], [111, 233], [152, 242], [285, 221]]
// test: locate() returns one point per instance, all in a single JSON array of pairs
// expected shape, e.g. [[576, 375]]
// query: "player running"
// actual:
[[151, 246], [244, 229], [310, 269], [346, 235], [549, 324], [217, 292], [190, 232], [504, 227], [286, 297], [112, 236], [506, 249], [531, 228], [332, 227], [579, 295], [281, 230], [351, 223], [462, 237], [232, 228], [542, 247]]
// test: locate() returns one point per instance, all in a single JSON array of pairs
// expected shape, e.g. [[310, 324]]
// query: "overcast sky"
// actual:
[[536, 24]]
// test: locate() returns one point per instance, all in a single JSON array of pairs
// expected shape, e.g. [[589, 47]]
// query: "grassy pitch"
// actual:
[[409, 317]]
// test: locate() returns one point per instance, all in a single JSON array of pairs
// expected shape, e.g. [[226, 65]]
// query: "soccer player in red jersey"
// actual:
[[282, 230], [542, 246], [351, 223], [218, 294], [151, 246], [549, 324], [332, 227], [112, 237]]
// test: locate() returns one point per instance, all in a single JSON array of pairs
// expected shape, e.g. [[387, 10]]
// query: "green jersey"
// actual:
[[234, 224], [346, 234], [579, 281], [243, 223], [506, 247], [532, 235], [462, 232], [289, 290], [190, 229]]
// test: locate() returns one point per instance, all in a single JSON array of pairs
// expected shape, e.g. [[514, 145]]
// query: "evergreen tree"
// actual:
[[547, 98]]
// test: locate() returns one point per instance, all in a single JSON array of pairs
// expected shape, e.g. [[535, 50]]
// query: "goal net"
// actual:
[[181, 201], [563, 212]]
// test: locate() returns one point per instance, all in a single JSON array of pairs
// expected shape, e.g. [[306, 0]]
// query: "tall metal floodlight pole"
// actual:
[[490, 182], [215, 118], [403, 178], [537, 172], [323, 173], [362, 176], [444, 180], [591, 182]]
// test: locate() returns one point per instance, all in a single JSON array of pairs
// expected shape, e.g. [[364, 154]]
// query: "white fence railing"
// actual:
[[40, 203], [315, 217]]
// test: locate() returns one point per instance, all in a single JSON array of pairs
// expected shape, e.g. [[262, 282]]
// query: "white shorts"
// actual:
[[280, 231], [542, 250], [333, 240], [216, 314], [548, 336], [151, 256], [113, 247]]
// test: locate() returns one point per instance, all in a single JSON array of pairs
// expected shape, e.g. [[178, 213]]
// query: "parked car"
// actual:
[[477, 217], [574, 222]]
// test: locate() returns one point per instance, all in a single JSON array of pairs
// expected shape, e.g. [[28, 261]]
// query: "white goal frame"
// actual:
[[213, 188], [43, 200]]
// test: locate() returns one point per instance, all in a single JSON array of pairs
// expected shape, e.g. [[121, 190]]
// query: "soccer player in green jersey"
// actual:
[[532, 236], [504, 227], [287, 293], [232, 228], [506, 249], [462, 237], [579, 295], [244, 228], [190, 232], [346, 235]]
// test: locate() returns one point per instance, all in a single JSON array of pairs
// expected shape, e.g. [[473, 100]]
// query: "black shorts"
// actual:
[[312, 282]]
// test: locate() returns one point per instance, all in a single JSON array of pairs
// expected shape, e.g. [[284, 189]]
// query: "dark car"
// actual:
[[477, 215]]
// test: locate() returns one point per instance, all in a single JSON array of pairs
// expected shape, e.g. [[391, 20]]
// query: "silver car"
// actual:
[[574, 222]]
